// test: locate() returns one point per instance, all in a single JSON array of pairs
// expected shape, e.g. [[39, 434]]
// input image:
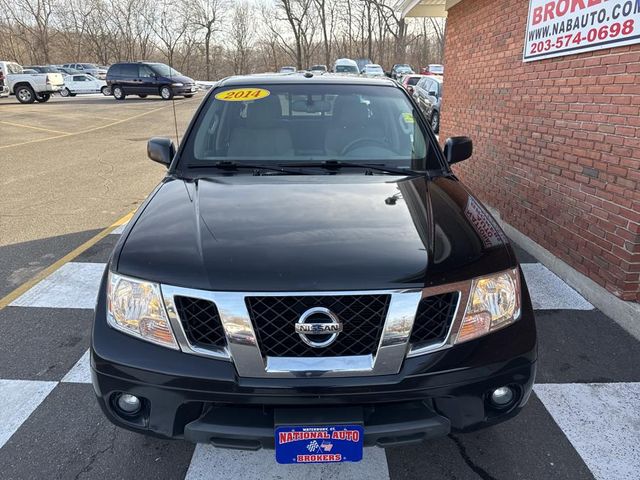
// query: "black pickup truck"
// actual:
[[310, 276]]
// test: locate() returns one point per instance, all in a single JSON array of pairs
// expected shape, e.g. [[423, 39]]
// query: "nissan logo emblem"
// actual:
[[318, 327]]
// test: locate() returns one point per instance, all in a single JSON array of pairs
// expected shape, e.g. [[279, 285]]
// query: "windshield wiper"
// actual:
[[233, 166], [334, 165]]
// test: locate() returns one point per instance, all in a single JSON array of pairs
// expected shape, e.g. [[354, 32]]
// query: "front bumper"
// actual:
[[204, 400], [185, 90]]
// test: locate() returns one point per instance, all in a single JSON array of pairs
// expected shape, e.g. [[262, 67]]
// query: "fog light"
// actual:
[[128, 403], [502, 396]]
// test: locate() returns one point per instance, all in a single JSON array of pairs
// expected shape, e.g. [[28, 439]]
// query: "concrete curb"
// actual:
[[626, 314]]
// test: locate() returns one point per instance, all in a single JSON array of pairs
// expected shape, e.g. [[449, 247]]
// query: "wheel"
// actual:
[[106, 91], [188, 96], [43, 97], [435, 121], [118, 93], [25, 94], [166, 93], [65, 92], [144, 95]]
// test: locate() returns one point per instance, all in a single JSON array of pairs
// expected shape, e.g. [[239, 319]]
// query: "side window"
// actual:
[[115, 70], [129, 70], [146, 72], [78, 78]]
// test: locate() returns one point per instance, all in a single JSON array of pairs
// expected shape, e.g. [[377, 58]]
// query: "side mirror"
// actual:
[[433, 93], [161, 150], [457, 149]]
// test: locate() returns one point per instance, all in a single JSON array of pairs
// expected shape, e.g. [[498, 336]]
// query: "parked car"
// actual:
[[362, 62], [83, 83], [346, 66], [409, 81], [288, 69], [148, 78], [4, 88], [68, 71], [428, 95], [400, 69], [318, 69], [89, 68], [322, 275], [30, 87], [372, 70], [41, 69], [433, 69]]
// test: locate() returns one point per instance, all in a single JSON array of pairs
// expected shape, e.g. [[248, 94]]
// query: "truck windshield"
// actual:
[[314, 122], [346, 69]]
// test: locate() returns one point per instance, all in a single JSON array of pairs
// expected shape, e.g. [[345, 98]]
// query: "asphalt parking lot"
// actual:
[[73, 167]]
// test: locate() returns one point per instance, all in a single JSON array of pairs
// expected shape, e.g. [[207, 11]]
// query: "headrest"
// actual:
[[263, 112], [350, 111]]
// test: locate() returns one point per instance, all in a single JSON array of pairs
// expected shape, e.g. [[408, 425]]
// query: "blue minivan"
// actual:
[[148, 78]]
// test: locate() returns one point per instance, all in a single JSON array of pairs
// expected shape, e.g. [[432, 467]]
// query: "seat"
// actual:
[[350, 122], [261, 137]]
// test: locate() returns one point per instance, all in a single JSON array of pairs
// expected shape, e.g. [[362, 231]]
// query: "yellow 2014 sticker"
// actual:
[[242, 94], [408, 117]]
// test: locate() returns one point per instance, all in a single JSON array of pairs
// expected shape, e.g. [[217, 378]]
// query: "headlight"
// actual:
[[135, 307], [177, 84], [494, 303]]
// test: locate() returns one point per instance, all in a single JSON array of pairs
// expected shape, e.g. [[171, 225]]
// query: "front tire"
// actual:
[[166, 93], [43, 97], [65, 92], [25, 94], [188, 96], [106, 91], [435, 121], [118, 93]]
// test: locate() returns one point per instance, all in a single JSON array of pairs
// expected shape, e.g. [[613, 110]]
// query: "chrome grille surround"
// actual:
[[243, 349]]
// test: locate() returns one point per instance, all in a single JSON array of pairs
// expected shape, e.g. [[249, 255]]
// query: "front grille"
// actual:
[[362, 317], [201, 322], [433, 318]]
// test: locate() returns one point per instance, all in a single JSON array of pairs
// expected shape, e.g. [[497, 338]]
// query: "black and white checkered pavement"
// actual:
[[582, 422]]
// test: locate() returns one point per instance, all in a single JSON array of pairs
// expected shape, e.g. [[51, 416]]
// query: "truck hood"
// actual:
[[311, 233]]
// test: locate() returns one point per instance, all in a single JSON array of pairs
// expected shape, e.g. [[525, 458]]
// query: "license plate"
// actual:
[[319, 444]]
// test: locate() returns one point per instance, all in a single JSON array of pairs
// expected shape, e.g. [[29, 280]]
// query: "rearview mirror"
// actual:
[[457, 149], [161, 150]]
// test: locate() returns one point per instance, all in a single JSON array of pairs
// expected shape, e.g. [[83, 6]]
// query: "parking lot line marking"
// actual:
[[11, 296], [89, 130], [57, 132]]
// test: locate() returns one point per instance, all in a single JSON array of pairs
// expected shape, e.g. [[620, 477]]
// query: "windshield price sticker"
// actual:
[[242, 94], [330, 444], [564, 27], [408, 117]]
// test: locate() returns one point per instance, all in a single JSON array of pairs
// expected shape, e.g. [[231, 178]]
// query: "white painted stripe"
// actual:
[[80, 373], [19, 399], [74, 285], [209, 462], [602, 422], [119, 230], [549, 292]]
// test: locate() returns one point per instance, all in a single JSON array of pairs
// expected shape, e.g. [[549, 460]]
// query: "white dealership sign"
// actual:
[[564, 27]]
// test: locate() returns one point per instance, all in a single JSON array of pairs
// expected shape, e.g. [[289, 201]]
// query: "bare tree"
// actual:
[[34, 19], [205, 15], [169, 26], [242, 37]]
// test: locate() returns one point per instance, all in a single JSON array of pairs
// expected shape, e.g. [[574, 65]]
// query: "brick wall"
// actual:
[[556, 141]]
